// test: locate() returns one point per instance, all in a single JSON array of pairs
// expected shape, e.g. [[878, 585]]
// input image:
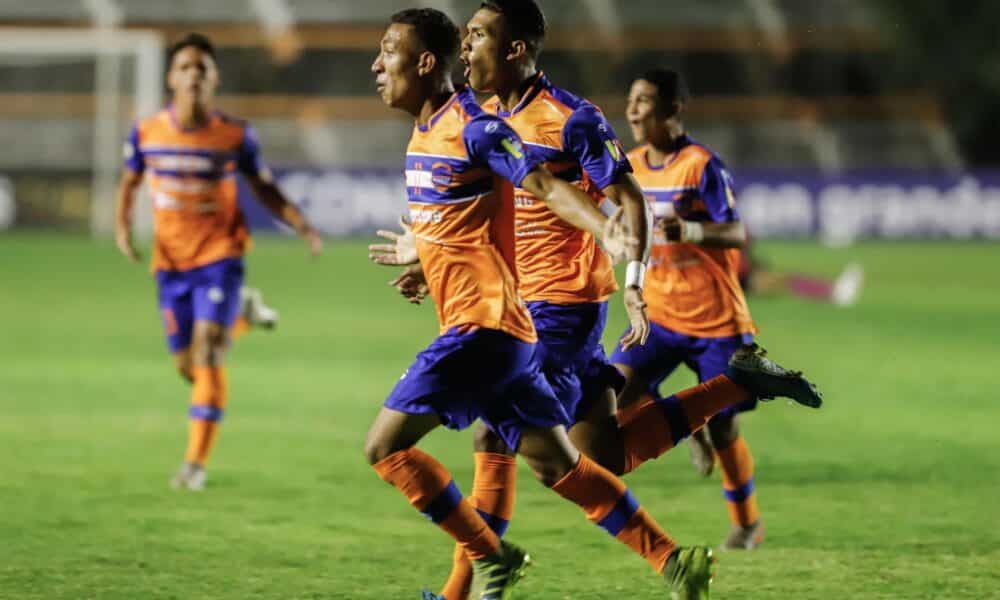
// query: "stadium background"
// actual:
[[856, 131]]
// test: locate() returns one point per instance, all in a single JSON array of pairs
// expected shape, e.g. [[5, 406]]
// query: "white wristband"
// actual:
[[635, 274], [692, 232]]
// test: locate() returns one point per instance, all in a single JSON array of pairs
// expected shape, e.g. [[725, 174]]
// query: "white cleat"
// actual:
[[847, 287], [254, 310], [189, 477]]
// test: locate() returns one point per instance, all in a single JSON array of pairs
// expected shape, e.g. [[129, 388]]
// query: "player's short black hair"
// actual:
[[195, 40], [436, 31], [524, 19], [670, 87]]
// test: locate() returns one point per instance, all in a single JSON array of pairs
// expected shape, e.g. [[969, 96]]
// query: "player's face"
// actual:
[[483, 49], [193, 76], [641, 112], [396, 67]]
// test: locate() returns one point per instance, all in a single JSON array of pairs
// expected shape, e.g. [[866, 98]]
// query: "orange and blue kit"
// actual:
[[698, 313], [460, 171], [564, 275], [200, 233]]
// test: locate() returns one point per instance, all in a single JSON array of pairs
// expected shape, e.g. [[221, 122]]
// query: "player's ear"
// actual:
[[426, 63], [517, 49]]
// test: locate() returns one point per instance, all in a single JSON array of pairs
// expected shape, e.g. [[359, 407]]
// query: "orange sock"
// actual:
[[208, 402], [657, 425], [736, 464], [240, 326], [493, 491], [429, 487], [608, 503]]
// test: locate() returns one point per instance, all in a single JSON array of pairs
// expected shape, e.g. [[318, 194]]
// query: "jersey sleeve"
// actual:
[[716, 190], [134, 161], [491, 142], [248, 157], [588, 136]]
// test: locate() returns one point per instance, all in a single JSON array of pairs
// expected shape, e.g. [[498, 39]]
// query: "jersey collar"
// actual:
[[674, 149], [439, 113], [540, 83], [212, 117]]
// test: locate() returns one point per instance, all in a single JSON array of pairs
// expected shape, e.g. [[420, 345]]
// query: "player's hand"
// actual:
[[123, 238], [635, 308], [403, 250], [412, 284], [617, 239], [315, 242]]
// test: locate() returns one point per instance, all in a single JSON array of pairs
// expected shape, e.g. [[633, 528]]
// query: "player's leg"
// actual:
[[494, 487], [449, 383], [734, 455], [608, 503], [215, 300], [657, 424]]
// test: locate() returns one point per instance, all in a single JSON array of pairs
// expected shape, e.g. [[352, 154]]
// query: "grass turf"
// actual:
[[888, 492]]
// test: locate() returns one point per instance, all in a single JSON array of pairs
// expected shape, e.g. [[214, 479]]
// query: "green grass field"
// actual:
[[891, 491]]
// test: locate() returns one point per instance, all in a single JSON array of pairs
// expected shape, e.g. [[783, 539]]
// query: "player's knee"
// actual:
[[484, 440], [378, 449], [182, 362], [550, 473], [723, 430]]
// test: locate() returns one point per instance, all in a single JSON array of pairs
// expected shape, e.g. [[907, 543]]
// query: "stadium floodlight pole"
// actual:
[[147, 48]]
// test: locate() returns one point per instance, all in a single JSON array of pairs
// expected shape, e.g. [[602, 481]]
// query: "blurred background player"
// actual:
[[760, 279], [699, 316], [191, 153]]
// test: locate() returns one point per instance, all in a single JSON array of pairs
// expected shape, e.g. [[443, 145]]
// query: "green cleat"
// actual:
[[766, 379], [494, 577], [689, 573]]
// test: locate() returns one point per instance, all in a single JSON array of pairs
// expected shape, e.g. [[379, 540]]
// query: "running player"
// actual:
[[191, 154], [483, 363], [699, 314]]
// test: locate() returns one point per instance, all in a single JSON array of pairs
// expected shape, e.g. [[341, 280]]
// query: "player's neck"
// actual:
[[659, 149], [512, 94], [433, 103], [192, 115]]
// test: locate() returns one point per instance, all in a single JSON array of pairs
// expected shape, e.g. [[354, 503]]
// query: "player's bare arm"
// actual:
[[128, 186], [732, 234], [626, 193], [272, 198]]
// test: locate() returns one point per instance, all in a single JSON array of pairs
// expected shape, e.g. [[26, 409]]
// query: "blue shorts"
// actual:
[[207, 293], [665, 350], [571, 354], [485, 374]]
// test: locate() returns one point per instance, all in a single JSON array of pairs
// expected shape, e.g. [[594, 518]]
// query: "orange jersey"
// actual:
[[463, 215], [192, 180], [692, 289], [556, 262]]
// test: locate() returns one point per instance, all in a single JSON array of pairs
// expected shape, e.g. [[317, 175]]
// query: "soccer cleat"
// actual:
[[429, 595], [702, 452], [689, 573], [494, 577], [189, 477], [744, 538], [847, 287], [766, 379], [254, 310]]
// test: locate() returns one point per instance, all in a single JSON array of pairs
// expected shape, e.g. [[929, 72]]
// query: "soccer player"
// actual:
[[759, 279], [483, 363], [698, 312], [191, 153]]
